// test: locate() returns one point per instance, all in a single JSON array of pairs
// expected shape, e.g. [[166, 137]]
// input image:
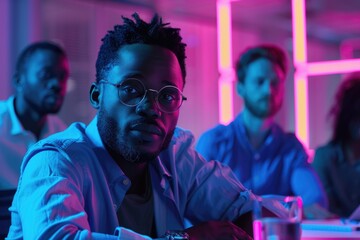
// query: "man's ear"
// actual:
[[95, 95], [240, 88]]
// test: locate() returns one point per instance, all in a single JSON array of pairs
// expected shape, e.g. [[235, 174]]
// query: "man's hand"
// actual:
[[217, 230]]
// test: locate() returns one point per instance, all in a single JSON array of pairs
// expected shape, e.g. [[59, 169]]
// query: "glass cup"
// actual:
[[286, 224]]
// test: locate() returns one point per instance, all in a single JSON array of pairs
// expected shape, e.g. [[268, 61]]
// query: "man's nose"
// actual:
[[267, 87], [149, 106], [54, 82]]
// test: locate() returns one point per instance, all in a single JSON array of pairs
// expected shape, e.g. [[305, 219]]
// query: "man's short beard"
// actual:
[[108, 131], [258, 113], [115, 144]]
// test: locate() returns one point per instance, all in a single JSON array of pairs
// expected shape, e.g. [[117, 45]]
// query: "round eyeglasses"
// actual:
[[132, 92]]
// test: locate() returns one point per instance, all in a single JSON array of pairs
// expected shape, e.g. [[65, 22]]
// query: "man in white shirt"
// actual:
[[40, 79]]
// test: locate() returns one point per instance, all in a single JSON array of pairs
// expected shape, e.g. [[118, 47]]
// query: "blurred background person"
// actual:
[[338, 162], [266, 159], [40, 79]]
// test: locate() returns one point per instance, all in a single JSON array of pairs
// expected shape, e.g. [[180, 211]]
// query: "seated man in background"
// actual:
[[338, 162], [264, 158], [131, 169], [40, 79]]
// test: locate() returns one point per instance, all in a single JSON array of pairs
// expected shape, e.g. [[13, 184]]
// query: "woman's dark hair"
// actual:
[[346, 108]]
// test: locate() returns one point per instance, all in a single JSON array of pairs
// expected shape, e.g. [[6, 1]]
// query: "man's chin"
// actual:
[[52, 109]]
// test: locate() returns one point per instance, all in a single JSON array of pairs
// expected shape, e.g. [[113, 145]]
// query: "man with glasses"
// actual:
[[131, 169]]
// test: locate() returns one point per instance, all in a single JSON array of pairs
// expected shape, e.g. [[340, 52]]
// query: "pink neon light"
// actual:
[[225, 61], [300, 79], [299, 31], [225, 91], [305, 69], [332, 67], [301, 108], [224, 36]]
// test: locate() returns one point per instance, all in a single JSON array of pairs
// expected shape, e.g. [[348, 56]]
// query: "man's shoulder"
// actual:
[[75, 133], [286, 136], [218, 132], [181, 136]]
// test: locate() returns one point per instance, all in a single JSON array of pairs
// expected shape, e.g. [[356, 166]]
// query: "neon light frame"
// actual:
[[304, 69]]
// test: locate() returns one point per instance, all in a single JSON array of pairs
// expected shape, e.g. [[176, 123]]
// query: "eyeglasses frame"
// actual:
[[117, 85]]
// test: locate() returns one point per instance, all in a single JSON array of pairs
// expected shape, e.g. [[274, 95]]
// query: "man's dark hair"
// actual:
[[346, 108], [154, 33], [271, 52], [30, 50]]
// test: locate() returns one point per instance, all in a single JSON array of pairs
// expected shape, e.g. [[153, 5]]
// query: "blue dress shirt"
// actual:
[[279, 166], [70, 188]]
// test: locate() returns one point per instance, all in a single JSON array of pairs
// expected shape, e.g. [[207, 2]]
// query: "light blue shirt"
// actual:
[[279, 166], [15, 141], [70, 187]]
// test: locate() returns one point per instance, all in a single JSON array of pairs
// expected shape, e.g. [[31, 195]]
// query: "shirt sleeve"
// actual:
[[49, 200], [306, 182], [319, 164], [217, 194], [206, 145]]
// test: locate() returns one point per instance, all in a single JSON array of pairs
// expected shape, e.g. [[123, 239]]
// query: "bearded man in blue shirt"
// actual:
[[266, 159]]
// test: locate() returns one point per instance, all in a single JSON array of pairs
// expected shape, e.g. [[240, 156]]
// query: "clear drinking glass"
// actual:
[[287, 224]]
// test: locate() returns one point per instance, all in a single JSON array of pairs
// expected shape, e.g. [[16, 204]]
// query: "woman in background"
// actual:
[[338, 162]]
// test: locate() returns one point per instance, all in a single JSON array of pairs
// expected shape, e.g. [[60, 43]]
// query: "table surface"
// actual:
[[328, 234]]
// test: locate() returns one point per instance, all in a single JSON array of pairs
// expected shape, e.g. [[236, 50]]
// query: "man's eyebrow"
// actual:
[[133, 75], [167, 82], [142, 77]]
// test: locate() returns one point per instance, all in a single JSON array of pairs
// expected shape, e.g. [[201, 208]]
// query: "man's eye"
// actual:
[[130, 90], [44, 75], [260, 82], [167, 97]]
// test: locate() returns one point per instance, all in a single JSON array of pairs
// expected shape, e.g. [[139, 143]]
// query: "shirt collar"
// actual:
[[16, 127], [92, 133], [273, 130]]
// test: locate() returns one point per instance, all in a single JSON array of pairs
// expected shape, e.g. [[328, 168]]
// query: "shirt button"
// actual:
[[257, 156], [126, 181]]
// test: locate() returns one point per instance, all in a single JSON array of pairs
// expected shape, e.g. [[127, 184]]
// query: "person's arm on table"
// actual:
[[53, 197]]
